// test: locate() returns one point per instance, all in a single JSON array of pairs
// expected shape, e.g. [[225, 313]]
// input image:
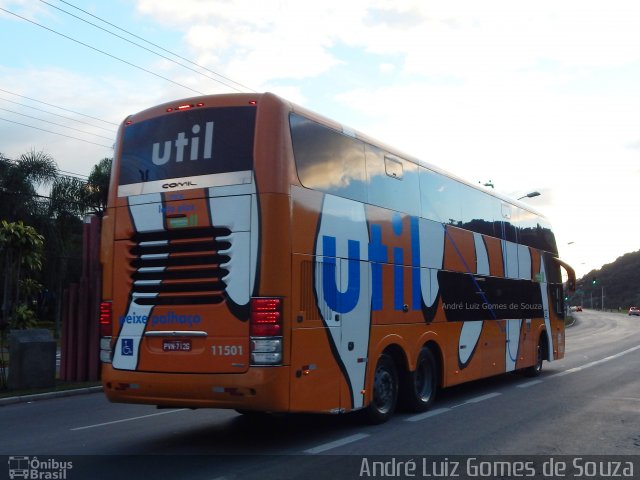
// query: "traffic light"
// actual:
[[594, 281]]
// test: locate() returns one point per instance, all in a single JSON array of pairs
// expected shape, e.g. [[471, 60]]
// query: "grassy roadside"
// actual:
[[58, 387]]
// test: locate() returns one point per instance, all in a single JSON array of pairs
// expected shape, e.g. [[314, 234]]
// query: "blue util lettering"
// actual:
[[398, 261], [338, 301], [416, 287], [378, 254], [181, 142]]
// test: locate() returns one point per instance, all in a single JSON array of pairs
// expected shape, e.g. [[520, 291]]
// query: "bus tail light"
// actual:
[[266, 331], [266, 317], [105, 319], [105, 331]]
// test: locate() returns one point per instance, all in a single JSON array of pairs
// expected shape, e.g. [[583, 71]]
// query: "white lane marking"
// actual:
[[477, 399], [433, 413], [597, 362], [482, 398], [438, 411], [529, 384], [422, 416], [337, 443], [127, 419]]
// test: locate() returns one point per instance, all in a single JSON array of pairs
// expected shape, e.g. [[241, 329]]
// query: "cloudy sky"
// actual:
[[530, 95]]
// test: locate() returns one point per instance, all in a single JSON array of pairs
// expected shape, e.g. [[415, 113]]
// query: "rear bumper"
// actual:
[[260, 388]]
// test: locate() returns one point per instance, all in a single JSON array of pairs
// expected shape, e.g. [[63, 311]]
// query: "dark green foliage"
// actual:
[[33, 191], [620, 281]]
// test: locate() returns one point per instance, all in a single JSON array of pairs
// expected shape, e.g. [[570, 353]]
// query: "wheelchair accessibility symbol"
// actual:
[[127, 347]]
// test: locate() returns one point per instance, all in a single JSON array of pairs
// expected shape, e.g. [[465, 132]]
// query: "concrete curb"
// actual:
[[48, 395]]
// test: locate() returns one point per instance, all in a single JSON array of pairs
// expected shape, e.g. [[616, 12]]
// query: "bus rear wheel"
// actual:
[[536, 369], [385, 391], [421, 385]]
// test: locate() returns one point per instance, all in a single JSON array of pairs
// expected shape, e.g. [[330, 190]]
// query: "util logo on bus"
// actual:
[[343, 299], [183, 141]]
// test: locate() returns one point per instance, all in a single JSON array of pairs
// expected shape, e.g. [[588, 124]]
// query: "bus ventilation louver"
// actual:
[[179, 267]]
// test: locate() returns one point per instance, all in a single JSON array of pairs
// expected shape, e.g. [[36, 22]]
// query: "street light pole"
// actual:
[[530, 195]]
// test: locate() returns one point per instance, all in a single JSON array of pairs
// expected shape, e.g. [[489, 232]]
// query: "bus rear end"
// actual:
[[181, 321]]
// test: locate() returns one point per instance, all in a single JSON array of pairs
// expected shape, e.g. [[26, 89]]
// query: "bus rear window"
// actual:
[[188, 144]]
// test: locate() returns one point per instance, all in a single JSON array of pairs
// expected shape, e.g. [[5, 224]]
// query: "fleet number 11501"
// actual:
[[226, 350]]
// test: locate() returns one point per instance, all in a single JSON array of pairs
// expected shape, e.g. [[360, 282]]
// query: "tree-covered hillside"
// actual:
[[620, 282]]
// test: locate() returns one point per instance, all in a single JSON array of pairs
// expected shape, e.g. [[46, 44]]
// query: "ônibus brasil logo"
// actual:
[[181, 142], [34, 468]]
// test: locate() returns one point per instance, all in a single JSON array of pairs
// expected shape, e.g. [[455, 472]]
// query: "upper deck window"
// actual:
[[328, 160], [188, 144]]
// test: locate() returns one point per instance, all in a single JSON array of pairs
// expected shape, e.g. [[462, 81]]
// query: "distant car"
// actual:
[[634, 311], [576, 308]]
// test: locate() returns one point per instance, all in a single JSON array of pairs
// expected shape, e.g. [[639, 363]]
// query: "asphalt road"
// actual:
[[585, 404]]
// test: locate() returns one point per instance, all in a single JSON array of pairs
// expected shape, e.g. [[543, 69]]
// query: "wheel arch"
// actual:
[[543, 339]]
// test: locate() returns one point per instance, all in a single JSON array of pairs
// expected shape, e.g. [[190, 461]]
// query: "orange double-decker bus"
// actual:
[[260, 257]]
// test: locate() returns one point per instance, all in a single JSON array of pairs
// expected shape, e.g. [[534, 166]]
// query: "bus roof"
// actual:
[[233, 99]]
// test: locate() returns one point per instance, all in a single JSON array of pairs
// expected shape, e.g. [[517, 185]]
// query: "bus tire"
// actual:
[[420, 386], [536, 369], [384, 390]]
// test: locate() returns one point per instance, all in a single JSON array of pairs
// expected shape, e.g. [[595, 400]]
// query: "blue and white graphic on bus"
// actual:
[[342, 285]]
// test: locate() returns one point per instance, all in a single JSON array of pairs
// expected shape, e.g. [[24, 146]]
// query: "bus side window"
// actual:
[[393, 168], [440, 198], [507, 228], [328, 160], [479, 211], [546, 238], [554, 280], [392, 182]]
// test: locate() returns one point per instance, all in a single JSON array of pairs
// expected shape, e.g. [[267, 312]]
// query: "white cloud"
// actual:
[[529, 94], [107, 98]]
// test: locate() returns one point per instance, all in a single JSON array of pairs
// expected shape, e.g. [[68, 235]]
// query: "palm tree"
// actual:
[[57, 215], [19, 181], [72, 196], [69, 200], [98, 185]]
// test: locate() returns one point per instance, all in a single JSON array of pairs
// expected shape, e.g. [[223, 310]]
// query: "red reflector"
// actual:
[[253, 102], [200, 104], [265, 304], [105, 319], [266, 317], [266, 330], [169, 109]]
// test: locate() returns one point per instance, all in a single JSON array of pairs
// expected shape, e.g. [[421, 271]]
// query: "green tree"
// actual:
[[70, 200], [98, 186], [21, 249], [33, 191], [70, 195], [19, 183]]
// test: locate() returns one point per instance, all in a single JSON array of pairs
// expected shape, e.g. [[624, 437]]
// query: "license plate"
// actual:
[[176, 345]]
